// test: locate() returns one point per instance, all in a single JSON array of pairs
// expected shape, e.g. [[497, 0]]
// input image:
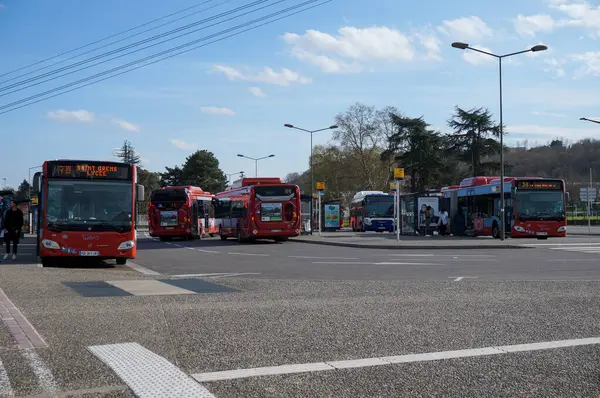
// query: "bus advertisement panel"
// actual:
[[372, 211], [87, 209], [259, 208], [181, 211], [534, 207]]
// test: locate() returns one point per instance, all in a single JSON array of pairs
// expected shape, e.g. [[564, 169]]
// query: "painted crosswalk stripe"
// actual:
[[141, 269], [397, 359], [41, 370], [5, 387], [148, 374]]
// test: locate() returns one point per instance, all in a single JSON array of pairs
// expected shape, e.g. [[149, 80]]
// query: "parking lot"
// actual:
[[213, 318]]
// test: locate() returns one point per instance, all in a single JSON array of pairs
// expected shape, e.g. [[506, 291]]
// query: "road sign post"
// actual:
[[398, 176], [320, 192]]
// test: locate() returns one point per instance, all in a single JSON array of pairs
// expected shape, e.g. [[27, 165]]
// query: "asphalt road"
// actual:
[[295, 303]]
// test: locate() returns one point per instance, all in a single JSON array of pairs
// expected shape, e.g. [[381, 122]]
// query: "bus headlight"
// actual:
[[128, 244], [50, 244], [519, 228], [562, 229]]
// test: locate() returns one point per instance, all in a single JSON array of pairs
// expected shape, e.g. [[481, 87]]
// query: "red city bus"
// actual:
[[258, 208], [534, 207], [87, 209], [181, 211]]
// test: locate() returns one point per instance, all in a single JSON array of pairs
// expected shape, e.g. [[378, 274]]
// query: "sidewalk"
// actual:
[[582, 230], [386, 240]]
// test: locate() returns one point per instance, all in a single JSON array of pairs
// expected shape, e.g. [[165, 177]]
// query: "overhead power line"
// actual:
[[150, 39], [101, 40], [34, 100]]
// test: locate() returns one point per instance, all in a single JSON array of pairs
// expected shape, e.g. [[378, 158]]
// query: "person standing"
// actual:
[[443, 222], [13, 223]]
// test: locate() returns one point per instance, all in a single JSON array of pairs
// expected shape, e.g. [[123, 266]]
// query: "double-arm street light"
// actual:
[[241, 173], [465, 46], [255, 161], [312, 172], [589, 120]]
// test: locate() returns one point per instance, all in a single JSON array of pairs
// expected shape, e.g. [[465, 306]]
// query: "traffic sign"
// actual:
[[587, 194], [320, 185], [398, 173]]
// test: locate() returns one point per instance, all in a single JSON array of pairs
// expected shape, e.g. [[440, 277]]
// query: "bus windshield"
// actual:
[[540, 205], [81, 205], [169, 199], [379, 206], [275, 193]]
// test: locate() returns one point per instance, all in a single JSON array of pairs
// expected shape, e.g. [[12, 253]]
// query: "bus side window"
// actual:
[[222, 208], [237, 209]]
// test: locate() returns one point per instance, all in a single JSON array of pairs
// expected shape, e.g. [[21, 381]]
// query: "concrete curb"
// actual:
[[411, 247]]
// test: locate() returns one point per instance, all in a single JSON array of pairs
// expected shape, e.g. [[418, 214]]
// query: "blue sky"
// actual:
[[234, 96]]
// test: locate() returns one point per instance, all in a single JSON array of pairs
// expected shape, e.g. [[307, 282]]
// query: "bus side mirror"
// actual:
[[37, 182], [139, 192]]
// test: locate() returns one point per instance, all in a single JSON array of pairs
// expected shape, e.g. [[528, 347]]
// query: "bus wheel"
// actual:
[[496, 231], [47, 262], [223, 237], [121, 261]]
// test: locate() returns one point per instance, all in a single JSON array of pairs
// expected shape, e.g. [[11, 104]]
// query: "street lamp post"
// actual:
[[312, 169], [255, 161], [241, 173], [465, 46], [589, 120]]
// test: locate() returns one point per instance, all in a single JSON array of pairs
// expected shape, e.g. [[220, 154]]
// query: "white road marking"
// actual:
[[388, 263], [367, 362], [41, 371], [325, 258], [148, 374], [235, 274], [207, 251], [189, 248], [148, 287], [340, 262], [214, 275], [438, 255], [141, 269], [556, 244], [5, 387], [460, 278], [248, 254], [574, 259], [177, 244]]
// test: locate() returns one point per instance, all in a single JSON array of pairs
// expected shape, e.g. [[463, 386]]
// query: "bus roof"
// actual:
[[247, 182], [90, 161], [363, 194]]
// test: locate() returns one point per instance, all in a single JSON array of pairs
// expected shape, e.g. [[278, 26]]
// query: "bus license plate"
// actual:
[[542, 234], [89, 253], [275, 230]]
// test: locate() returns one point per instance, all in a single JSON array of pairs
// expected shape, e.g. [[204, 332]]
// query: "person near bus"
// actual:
[[13, 223], [443, 222]]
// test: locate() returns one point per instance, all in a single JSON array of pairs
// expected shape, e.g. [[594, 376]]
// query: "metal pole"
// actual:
[[256, 168], [320, 215], [590, 205], [502, 217], [398, 210], [312, 183]]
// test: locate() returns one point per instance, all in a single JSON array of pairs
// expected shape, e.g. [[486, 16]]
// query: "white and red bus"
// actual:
[[258, 208], [182, 212], [534, 207], [87, 209]]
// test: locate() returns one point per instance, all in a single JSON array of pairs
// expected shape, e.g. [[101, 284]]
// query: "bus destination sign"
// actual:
[[89, 171], [540, 184]]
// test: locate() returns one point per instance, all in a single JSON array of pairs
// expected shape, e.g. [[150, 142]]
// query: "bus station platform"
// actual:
[[386, 240]]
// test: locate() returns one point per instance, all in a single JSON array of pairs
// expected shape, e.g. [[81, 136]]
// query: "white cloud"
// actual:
[[476, 58], [79, 116], [267, 75], [465, 29], [213, 110], [530, 25], [351, 47], [581, 14], [537, 132], [184, 145], [591, 64], [257, 91], [551, 114], [555, 66], [125, 125]]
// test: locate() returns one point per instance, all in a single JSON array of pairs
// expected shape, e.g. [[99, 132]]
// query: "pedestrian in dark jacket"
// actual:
[[13, 223]]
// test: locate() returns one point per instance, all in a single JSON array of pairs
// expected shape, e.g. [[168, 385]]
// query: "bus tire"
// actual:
[[121, 261], [496, 230], [47, 261], [223, 237]]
